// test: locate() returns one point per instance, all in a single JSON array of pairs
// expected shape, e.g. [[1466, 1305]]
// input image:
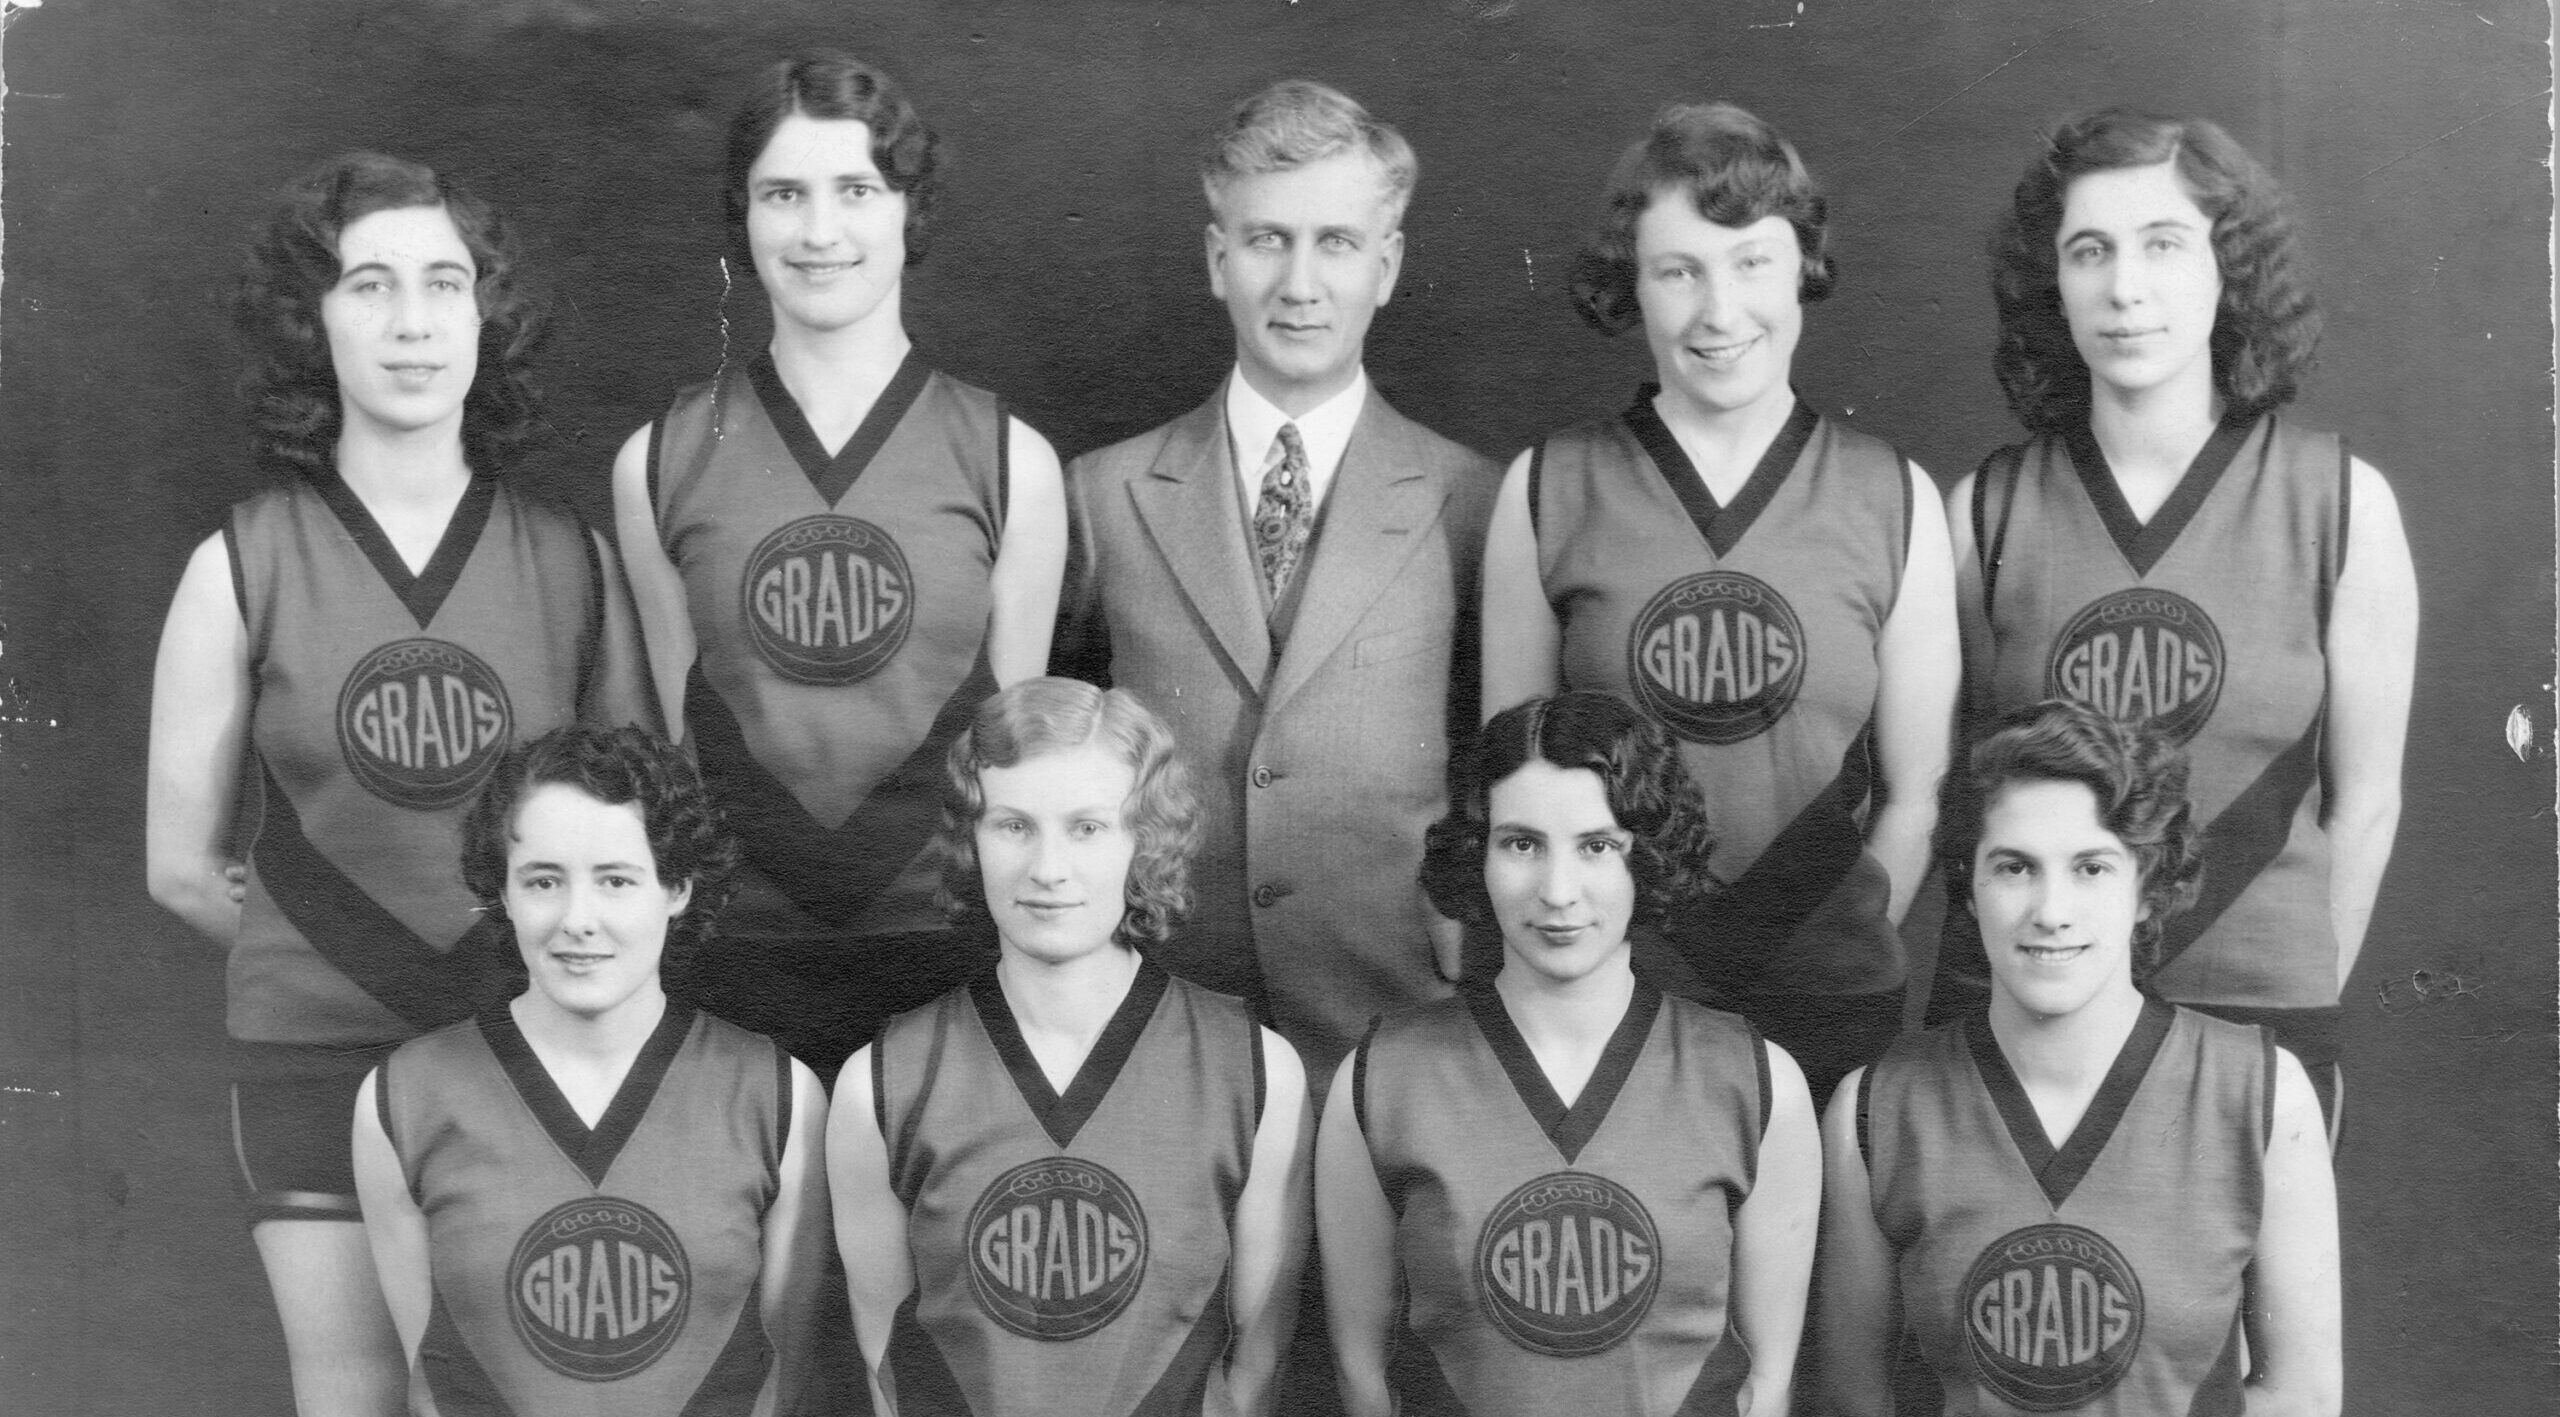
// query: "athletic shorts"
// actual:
[[291, 1109]]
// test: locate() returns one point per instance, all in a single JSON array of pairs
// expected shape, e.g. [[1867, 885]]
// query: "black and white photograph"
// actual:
[[1292, 708]]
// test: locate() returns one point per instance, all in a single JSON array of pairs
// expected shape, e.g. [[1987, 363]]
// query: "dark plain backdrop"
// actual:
[[145, 137]]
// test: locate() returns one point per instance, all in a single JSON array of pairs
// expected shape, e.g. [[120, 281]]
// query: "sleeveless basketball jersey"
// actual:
[[2102, 1278], [840, 607], [381, 700], [1071, 1252], [1749, 632], [2208, 623], [609, 1272], [1564, 1260]]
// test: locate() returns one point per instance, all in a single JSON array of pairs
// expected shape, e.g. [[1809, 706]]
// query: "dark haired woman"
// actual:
[[838, 552], [2080, 1199], [1767, 583], [1562, 1191], [368, 638], [596, 1199], [1077, 1184], [2171, 550]]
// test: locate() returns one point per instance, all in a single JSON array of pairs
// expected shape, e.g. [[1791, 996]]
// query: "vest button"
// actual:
[[1265, 895], [1262, 777]]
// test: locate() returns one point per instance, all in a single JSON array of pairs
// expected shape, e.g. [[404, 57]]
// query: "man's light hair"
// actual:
[[1298, 121]]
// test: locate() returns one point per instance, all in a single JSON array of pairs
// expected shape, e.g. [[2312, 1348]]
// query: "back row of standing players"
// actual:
[[832, 554]]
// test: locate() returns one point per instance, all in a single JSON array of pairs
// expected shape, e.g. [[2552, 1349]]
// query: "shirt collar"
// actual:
[[1253, 421]]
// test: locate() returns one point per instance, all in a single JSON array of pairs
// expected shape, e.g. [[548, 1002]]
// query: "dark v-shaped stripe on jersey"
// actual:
[[1722, 526], [2144, 543], [830, 874], [1063, 1117], [2245, 838], [425, 591], [833, 475], [357, 936], [2059, 1172], [1569, 1128], [591, 1150]]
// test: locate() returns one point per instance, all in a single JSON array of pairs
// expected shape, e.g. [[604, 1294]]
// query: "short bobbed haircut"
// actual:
[[1298, 121], [688, 844], [289, 385], [1734, 169], [826, 83], [1041, 716], [1649, 791], [2139, 779], [2267, 330]]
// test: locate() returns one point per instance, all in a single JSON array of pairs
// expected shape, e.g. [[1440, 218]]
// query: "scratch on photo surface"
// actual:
[[2022, 53], [1785, 24], [2449, 132], [1532, 267], [720, 375], [30, 1091]]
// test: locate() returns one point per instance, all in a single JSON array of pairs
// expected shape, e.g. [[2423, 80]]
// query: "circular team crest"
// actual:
[[1057, 1248], [2053, 1314], [827, 600], [1717, 657], [421, 722], [2141, 656], [599, 1288], [1568, 1264]]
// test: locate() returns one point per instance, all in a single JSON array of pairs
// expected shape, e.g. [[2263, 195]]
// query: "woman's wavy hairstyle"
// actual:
[[2268, 327], [1735, 168], [1648, 788], [2139, 779], [826, 83], [289, 384], [688, 844], [1040, 716]]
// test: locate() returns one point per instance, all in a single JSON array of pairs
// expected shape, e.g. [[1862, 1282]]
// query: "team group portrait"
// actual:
[[1473, 708]]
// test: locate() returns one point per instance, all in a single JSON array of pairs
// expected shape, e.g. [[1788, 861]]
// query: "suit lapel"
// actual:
[[1188, 503], [1375, 515]]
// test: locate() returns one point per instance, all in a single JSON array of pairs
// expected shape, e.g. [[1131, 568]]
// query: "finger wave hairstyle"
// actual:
[[2267, 330], [1040, 716], [289, 385], [825, 83], [2139, 779], [687, 841], [1734, 168], [1649, 791], [1298, 121]]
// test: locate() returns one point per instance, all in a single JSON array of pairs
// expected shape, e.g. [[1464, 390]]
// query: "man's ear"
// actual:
[[1215, 249]]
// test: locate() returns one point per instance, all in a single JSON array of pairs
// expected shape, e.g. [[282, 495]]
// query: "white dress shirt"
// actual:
[[1253, 421]]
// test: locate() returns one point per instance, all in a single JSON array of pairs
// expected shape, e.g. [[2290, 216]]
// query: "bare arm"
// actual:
[[871, 1225], [795, 1247], [1773, 1239], [656, 590], [1918, 668], [1270, 1244], [394, 1227], [199, 723], [2293, 1315], [1356, 1233], [1030, 562], [1860, 1310], [2372, 653], [1520, 637]]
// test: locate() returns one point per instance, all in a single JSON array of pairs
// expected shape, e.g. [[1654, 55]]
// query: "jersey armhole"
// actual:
[[2267, 1089], [1989, 542], [1902, 545], [1360, 1077], [782, 1100], [382, 1116], [1760, 1066], [2334, 565], [1866, 1127], [591, 639], [880, 1088], [1537, 470], [657, 431], [1004, 470], [240, 593]]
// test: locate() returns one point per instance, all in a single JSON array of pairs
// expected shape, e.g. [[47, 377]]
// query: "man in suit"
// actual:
[[1283, 574]]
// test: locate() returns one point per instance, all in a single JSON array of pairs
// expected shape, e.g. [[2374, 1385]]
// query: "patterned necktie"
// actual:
[[1285, 516]]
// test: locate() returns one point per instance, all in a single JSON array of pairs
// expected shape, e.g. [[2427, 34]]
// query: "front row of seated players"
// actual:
[[1081, 1185]]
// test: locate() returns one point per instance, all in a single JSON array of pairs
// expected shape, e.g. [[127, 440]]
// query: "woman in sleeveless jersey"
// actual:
[[2083, 1198], [1762, 580], [2169, 548], [838, 551], [353, 652], [1077, 1184], [1563, 1191], [596, 1198]]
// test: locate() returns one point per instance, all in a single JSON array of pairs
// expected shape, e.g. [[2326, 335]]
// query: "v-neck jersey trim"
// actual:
[[422, 592], [1063, 1115], [2058, 1171], [2143, 543], [591, 1150], [1568, 1129], [1721, 525], [834, 475]]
